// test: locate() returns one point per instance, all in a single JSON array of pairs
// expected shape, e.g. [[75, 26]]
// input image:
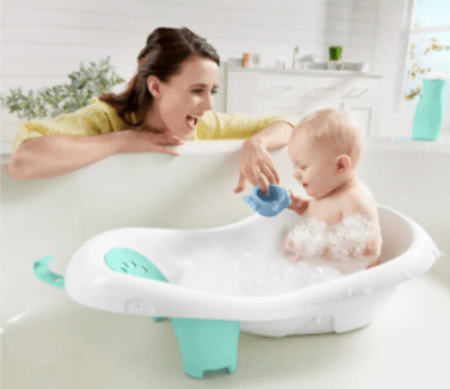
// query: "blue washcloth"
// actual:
[[271, 205]]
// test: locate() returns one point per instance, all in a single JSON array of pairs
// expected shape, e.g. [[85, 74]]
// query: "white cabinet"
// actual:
[[298, 92]]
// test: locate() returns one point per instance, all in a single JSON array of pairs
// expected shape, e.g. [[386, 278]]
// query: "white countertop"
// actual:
[[442, 145]]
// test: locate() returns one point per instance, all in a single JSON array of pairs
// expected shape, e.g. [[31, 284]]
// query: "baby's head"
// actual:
[[325, 148]]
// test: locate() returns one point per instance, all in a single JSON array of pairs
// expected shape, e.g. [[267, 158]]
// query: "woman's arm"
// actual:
[[255, 160], [261, 134], [53, 155], [274, 136]]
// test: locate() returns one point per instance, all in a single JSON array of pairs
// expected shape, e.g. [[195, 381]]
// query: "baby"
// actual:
[[339, 224]]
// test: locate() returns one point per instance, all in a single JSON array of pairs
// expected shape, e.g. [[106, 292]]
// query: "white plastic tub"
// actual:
[[339, 305]]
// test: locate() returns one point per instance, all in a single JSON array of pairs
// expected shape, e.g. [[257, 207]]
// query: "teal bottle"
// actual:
[[430, 111]]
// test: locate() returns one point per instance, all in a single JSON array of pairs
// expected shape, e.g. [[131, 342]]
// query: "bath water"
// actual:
[[260, 274]]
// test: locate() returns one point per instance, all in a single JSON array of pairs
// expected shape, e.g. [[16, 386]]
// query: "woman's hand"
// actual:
[[141, 141], [256, 165], [298, 205]]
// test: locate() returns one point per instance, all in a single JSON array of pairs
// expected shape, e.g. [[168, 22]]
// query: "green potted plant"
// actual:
[[85, 84]]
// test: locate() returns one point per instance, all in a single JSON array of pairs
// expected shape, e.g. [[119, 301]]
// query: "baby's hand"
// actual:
[[298, 205], [287, 245], [288, 250]]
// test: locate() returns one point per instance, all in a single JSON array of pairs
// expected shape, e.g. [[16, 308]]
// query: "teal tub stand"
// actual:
[[206, 345]]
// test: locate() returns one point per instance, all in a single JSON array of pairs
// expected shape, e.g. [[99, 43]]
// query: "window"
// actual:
[[429, 50]]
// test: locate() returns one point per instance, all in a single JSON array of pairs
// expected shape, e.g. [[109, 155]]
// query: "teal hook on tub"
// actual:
[[42, 272]]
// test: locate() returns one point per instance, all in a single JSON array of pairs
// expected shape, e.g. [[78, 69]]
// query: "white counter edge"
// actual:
[[442, 145]]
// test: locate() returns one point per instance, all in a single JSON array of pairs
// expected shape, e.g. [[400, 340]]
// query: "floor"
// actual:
[[406, 347]]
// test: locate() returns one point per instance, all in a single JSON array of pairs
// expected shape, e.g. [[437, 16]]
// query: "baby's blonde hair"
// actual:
[[335, 130]]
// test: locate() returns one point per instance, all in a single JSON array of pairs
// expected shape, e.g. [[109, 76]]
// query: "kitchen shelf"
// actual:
[[307, 72]]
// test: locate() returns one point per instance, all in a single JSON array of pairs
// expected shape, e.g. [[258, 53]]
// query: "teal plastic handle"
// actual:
[[42, 272]]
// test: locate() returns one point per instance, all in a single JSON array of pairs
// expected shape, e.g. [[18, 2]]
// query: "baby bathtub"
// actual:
[[208, 324], [339, 305]]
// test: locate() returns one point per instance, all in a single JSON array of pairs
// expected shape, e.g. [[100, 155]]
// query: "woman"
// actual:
[[168, 101]]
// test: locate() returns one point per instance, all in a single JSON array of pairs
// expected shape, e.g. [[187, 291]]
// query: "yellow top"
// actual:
[[99, 118]]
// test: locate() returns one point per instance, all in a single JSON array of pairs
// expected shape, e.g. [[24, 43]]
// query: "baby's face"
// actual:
[[314, 166]]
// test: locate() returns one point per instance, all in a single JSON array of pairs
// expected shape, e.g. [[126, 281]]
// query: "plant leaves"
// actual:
[[55, 100]]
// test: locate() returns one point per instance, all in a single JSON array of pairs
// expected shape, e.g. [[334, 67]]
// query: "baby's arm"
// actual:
[[371, 251], [298, 205], [287, 245], [369, 248], [369, 255]]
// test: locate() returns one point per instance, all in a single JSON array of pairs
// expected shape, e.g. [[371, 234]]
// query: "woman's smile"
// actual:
[[192, 121]]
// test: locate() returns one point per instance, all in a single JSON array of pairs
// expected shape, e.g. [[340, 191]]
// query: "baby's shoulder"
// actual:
[[360, 201]]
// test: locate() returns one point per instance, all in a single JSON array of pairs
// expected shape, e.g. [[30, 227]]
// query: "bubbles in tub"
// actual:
[[341, 246], [254, 276], [255, 273]]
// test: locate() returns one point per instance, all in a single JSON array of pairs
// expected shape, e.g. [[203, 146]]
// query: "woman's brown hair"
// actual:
[[162, 57]]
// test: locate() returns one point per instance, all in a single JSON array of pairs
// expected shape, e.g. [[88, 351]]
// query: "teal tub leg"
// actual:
[[204, 344], [207, 344]]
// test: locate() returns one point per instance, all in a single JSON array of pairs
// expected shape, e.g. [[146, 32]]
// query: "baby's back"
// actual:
[[333, 209]]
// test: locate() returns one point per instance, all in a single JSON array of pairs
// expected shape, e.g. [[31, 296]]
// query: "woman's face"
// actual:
[[180, 103]]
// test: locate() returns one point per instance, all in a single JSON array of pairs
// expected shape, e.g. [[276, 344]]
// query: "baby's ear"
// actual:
[[343, 163]]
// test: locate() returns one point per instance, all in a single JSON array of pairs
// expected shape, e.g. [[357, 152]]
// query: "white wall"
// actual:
[[44, 40]]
